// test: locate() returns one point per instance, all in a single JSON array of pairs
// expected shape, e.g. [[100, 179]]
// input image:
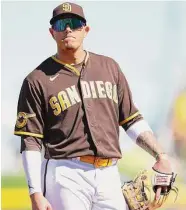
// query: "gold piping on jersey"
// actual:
[[29, 134], [70, 67], [129, 118]]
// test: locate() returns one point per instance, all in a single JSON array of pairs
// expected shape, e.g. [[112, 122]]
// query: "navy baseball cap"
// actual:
[[65, 9]]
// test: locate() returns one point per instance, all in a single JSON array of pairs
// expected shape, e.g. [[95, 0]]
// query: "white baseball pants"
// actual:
[[75, 185]]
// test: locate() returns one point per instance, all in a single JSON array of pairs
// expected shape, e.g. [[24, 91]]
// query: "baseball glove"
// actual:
[[140, 192]]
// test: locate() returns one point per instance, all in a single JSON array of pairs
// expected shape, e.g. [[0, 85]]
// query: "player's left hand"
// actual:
[[163, 166]]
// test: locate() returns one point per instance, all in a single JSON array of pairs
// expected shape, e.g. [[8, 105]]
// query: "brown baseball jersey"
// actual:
[[75, 111]]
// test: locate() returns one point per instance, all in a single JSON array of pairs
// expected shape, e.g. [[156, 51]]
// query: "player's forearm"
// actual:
[[147, 141], [141, 133], [32, 167]]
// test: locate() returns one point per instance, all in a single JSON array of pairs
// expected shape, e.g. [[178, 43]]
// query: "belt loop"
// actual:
[[108, 160], [94, 160]]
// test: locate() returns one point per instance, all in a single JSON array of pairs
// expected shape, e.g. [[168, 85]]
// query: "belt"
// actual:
[[98, 162]]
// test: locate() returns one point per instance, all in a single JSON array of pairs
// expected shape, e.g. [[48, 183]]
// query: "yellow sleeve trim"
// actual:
[[28, 134], [129, 118]]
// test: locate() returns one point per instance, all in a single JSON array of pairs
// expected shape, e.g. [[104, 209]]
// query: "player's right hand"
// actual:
[[39, 202]]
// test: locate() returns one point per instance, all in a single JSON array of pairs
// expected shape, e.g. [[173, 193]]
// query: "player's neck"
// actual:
[[71, 57]]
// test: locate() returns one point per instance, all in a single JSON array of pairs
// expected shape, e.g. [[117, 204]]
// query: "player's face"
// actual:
[[69, 33]]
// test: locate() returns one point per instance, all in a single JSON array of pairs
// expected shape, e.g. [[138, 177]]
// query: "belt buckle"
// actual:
[[100, 162]]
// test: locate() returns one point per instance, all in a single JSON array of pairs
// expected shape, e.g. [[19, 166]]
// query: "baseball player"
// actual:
[[73, 104]]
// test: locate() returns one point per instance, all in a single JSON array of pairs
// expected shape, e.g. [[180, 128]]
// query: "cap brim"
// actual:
[[57, 17]]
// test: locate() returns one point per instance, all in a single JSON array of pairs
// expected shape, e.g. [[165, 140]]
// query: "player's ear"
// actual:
[[51, 32], [87, 29]]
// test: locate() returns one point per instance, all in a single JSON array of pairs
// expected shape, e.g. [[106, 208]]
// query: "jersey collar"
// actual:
[[70, 67]]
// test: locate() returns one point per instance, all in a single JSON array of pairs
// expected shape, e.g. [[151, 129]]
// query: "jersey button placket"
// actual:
[[88, 112]]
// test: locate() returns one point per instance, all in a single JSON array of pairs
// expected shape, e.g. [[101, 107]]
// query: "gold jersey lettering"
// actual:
[[64, 101], [73, 95], [85, 89], [115, 95], [101, 89], [55, 105], [93, 89], [108, 87]]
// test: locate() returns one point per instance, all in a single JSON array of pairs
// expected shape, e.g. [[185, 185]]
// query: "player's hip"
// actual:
[[55, 168]]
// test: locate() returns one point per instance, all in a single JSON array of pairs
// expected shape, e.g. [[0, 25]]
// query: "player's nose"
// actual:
[[68, 29]]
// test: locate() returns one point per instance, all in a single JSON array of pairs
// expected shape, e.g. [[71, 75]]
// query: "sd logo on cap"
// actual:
[[66, 7]]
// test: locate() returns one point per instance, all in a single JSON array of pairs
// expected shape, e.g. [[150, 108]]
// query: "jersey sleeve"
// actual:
[[128, 112], [30, 117]]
